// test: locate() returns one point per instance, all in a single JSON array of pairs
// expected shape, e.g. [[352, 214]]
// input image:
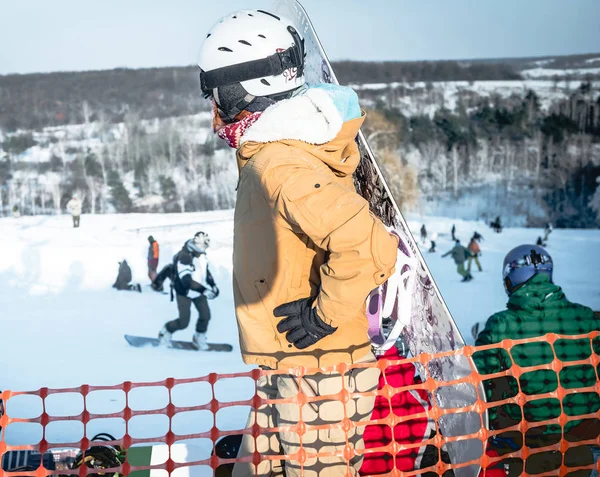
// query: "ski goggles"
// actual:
[[272, 65]]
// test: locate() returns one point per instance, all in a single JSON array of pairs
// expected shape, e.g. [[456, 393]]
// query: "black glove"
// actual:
[[303, 327]]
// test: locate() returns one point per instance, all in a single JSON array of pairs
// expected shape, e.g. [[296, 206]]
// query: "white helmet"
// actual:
[[252, 53], [199, 243]]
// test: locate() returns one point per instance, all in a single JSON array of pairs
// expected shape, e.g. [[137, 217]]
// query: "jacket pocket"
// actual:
[[311, 186], [384, 250]]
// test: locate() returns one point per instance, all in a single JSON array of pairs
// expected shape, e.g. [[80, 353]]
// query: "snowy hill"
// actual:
[[62, 323]]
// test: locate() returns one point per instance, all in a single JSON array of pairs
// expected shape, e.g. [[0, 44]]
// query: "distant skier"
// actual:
[[74, 207], [153, 254], [547, 231], [193, 283], [15, 212], [477, 236], [306, 250], [475, 251], [123, 281], [453, 231], [432, 247], [423, 233], [537, 306], [460, 255], [539, 242]]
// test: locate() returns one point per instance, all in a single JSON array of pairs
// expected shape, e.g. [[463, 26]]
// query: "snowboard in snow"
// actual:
[[409, 306], [144, 341]]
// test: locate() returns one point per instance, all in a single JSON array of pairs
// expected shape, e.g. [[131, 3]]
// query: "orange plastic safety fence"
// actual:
[[320, 416]]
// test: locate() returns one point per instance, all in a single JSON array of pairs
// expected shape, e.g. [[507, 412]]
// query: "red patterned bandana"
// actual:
[[232, 133]]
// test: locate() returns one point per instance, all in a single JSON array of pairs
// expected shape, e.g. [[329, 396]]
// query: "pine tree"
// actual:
[[119, 195]]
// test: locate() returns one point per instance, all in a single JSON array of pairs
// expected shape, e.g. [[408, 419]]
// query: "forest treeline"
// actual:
[[34, 101], [134, 141]]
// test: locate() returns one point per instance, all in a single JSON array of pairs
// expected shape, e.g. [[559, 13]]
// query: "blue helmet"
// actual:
[[522, 263]]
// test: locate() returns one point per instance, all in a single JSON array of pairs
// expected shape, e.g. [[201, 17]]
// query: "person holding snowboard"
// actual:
[[153, 254], [193, 283], [306, 249], [536, 306], [475, 252], [460, 255]]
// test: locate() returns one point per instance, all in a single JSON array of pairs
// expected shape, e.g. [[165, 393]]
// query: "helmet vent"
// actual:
[[262, 36], [244, 42], [265, 82], [270, 14], [224, 48]]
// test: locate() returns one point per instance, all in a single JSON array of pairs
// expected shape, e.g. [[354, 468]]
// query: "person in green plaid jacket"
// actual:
[[536, 306]]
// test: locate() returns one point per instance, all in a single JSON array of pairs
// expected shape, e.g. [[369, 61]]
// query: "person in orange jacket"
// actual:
[[475, 253], [306, 250], [153, 254]]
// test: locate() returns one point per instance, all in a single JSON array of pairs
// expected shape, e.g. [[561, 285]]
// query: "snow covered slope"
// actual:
[[62, 324]]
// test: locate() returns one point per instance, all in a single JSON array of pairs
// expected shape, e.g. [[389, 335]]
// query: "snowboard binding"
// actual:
[[101, 457]]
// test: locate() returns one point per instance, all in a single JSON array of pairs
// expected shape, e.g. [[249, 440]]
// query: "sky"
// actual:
[[67, 35]]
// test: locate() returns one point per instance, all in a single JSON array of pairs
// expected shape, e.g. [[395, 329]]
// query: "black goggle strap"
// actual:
[[272, 65]]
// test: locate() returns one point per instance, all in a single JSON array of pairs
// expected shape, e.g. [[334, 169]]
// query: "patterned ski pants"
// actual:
[[315, 413]]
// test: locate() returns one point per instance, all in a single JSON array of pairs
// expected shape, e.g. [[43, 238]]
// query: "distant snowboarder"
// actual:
[[15, 212], [193, 283], [477, 236], [423, 233], [540, 242], [123, 281], [547, 231], [453, 231], [460, 255], [475, 251], [74, 207], [496, 225], [432, 247], [153, 254]]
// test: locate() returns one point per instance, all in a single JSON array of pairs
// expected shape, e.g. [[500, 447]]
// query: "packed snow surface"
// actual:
[[62, 324]]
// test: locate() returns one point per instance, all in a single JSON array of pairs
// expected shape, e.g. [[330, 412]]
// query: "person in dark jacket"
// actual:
[[496, 225], [423, 233], [460, 254], [193, 283], [453, 231], [536, 306], [433, 239], [153, 254], [123, 281]]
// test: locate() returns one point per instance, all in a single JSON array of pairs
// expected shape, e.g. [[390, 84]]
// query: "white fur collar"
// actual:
[[311, 117]]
